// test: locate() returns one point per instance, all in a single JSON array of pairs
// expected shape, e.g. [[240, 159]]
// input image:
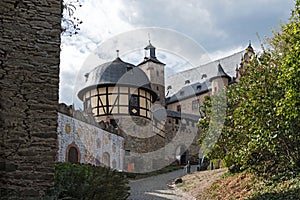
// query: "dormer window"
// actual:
[[169, 87], [86, 76], [198, 87], [187, 82]]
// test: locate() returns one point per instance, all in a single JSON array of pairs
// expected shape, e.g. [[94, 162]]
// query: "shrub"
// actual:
[[80, 181]]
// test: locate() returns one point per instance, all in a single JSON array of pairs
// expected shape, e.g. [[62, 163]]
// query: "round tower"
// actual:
[[117, 89], [220, 80]]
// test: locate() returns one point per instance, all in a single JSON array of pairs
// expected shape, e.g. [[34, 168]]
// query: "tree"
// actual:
[[261, 126], [70, 23]]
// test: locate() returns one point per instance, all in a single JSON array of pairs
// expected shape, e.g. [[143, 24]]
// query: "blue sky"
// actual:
[[219, 28]]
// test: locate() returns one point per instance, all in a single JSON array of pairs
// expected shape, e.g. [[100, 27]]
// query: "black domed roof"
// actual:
[[116, 72]]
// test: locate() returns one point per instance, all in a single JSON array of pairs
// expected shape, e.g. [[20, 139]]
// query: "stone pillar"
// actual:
[[29, 78]]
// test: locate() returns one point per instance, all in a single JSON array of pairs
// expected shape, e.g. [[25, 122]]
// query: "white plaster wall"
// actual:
[[91, 141]]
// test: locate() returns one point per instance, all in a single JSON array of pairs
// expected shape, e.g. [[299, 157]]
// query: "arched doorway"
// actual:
[[72, 153], [181, 154]]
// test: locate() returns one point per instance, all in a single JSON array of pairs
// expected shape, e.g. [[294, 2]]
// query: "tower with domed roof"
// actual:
[[116, 89]]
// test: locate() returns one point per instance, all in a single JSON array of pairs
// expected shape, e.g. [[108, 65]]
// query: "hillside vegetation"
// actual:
[[260, 140]]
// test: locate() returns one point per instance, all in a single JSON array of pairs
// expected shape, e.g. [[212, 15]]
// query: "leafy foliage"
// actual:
[[261, 127], [79, 181], [70, 23]]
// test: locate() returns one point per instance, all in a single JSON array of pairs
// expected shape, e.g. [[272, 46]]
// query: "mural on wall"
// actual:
[[85, 143]]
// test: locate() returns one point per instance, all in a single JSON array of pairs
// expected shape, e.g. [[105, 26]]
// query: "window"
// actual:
[[134, 101], [134, 105], [181, 93], [178, 108], [127, 152], [157, 73], [195, 104], [187, 82]]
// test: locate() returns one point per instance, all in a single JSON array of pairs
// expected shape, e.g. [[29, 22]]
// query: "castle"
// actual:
[[129, 103]]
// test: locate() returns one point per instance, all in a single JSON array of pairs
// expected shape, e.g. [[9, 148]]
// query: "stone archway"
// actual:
[[73, 153], [181, 154]]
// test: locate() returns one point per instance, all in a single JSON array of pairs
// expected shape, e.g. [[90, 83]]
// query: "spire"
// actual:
[[220, 73], [250, 48], [150, 54], [249, 53], [152, 50]]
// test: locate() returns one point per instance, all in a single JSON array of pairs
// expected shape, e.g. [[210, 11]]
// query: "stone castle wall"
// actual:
[[150, 147], [30, 55]]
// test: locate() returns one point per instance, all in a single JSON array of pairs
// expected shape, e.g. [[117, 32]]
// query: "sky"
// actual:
[[186, 33]]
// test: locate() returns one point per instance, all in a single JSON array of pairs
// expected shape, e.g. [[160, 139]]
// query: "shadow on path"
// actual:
[[156, 187]]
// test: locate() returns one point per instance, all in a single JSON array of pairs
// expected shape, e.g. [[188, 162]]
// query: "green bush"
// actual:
[[79, 181]]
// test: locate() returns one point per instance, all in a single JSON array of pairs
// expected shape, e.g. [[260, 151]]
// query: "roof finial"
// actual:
[[249, 43], [149, 38], [117, 53]]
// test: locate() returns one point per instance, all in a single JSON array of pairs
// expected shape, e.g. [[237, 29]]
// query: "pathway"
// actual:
[[156, 187]]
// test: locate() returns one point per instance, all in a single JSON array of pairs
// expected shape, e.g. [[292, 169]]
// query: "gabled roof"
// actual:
[[196, 74]]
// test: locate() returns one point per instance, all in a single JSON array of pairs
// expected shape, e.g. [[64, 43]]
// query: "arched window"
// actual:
[[106, 159], [73, 155]]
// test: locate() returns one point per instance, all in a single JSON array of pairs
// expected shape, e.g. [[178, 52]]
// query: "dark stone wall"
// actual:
[[29, 78]]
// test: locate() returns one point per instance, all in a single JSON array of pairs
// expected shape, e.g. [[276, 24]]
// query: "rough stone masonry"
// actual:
[[29, 78]]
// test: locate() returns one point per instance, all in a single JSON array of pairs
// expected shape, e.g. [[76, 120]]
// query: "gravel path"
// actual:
[[156, 187]]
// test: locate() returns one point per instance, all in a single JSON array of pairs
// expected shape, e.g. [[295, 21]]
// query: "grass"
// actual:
[[197, 182]]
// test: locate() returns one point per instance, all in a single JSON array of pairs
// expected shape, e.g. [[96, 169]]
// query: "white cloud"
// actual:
[[217, 28]]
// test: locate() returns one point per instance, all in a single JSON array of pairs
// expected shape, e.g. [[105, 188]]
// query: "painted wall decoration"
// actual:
[[93, 145]]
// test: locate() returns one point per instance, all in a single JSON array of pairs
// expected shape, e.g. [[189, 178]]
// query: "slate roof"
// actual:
[[189, 91], [229, 64], [220, 73], [146, 59], [152, 56], [116, 72], [179, 115]]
